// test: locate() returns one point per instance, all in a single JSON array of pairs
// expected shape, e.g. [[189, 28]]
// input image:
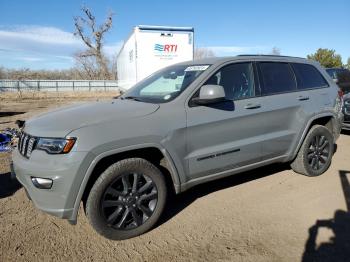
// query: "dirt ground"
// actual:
[[269, 214]]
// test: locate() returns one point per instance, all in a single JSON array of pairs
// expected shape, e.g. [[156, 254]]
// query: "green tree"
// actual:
[[348, 64], [203, 52], [275, 51], [326, 57]]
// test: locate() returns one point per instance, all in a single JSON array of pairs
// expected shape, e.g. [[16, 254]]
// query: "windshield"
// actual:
[[165, 85]]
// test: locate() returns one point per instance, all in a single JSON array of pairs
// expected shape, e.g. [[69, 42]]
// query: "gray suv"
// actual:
[[187, 124]]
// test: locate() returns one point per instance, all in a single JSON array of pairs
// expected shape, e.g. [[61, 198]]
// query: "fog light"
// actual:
[[42, 183]]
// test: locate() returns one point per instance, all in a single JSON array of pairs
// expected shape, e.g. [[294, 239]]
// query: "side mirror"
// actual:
[[209, 94], [336, 80]]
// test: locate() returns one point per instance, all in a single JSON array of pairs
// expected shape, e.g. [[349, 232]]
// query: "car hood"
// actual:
[[60, 122]]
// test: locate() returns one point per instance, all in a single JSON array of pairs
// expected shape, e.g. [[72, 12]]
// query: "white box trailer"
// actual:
[[150, 48]]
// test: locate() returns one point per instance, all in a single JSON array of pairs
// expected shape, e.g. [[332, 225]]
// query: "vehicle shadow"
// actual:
[[177, 203], [338, 247], [8, 186], [3, 114], [345, 132]]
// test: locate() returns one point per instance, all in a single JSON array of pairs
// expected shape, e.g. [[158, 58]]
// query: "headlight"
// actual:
[[55, 145]]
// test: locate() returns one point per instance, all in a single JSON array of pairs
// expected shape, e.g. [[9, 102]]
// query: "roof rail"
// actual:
[[271, 55]]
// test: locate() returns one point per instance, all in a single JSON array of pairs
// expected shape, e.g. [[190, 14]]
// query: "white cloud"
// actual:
[[64, 57], [234, 50], [112, 49], [33, 37], [49, 40], [29, 59], [48, 35], [36, 46]]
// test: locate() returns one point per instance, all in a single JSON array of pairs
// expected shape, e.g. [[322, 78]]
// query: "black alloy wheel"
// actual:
[[319, 152], [129, 201], [315, 154]]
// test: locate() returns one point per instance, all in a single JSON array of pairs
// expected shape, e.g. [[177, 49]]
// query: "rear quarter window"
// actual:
[[308, 76]]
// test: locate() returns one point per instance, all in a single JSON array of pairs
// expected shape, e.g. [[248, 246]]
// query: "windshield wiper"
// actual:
[[131, 98]]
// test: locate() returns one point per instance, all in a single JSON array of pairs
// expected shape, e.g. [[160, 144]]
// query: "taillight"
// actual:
[[340, 93], [340, 100]]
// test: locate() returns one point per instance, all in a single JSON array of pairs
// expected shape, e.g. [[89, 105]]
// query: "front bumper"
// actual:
[[64, 170]]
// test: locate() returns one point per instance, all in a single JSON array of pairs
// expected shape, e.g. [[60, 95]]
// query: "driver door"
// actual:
[[225, 135]]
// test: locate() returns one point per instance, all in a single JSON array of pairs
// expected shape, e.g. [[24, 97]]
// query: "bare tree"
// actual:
[[87, 67], [113, 67], [26, 73], [93, 35], [203, 52], [2, 73], [275, 51]]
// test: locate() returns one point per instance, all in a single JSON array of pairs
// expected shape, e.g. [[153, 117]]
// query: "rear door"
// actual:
[[311, 80], [286, 108]]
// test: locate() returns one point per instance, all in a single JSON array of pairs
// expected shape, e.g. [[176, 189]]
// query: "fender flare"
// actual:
[[307, 128], [173, 172]]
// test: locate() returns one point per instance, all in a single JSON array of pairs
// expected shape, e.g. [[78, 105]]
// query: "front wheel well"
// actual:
[[151, 154]]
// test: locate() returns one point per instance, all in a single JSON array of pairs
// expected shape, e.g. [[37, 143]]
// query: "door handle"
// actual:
[[252, 106], [303, 98]]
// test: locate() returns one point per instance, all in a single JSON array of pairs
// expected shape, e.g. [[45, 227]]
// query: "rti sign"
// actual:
[[165, 48]]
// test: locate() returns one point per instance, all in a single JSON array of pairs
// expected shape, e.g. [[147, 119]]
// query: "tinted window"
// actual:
[[276, 78], [237, 80], [332, 72], [344, 80], [344, 76], [308, 76]]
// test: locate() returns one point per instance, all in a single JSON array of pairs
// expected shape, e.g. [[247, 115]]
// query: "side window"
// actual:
[[332, 73], [308, 76], [276, 78], [344, 76], [237, 80]]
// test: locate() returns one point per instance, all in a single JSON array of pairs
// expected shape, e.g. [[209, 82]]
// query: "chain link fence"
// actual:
[[58, 85]]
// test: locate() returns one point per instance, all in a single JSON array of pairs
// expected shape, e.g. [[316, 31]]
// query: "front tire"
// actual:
[[315, 154], [127, 199]]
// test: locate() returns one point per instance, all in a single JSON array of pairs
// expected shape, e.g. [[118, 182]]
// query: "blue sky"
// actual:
[[38, 34]]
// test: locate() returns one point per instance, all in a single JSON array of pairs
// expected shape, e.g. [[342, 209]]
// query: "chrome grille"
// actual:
[[26, 145]]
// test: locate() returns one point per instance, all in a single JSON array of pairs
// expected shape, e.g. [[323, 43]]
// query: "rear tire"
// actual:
[[127, 199], [315, 154]]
